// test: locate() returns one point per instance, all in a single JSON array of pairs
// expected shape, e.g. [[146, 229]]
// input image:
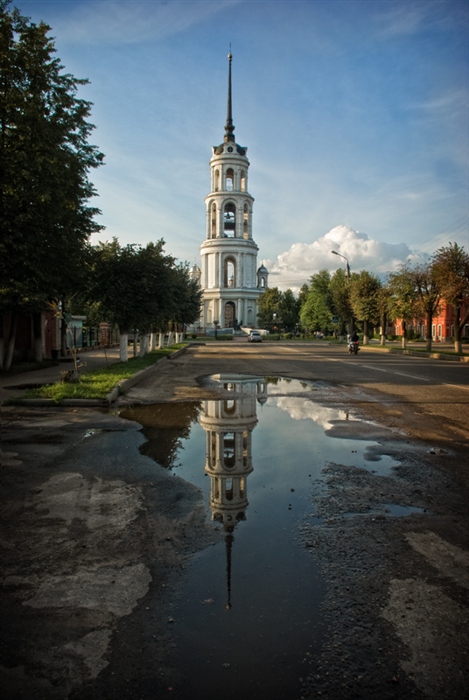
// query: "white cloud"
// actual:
[[406, 18], [296, 265], [110, 22], [306, 410]]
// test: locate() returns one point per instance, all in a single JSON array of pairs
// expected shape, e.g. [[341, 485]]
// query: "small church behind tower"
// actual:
[[229, 277]]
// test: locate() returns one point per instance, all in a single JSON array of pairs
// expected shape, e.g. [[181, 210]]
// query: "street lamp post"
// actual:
[[347, 269], [347, 275]]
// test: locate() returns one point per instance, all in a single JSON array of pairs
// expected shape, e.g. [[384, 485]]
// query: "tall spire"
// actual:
[[229, 128]]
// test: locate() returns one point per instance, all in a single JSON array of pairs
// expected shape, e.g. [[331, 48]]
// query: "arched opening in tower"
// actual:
[[229, 180], [229, 314], [213, 220], [229, 273], [229, 453], [229, 220], [246, 222]]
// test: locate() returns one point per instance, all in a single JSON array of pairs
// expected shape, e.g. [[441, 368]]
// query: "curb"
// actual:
[[419, 353]]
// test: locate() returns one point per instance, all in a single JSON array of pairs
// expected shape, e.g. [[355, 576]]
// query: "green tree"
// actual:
[[45, 159], [186, 298], [403, 299], [450, 266], [132, 285], [317, 311], [289, 310], [428, 296], [384, 309], [340, 292], [268, 314], [364, 290]]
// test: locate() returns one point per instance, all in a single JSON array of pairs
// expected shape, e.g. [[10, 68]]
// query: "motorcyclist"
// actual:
[[354, 337]]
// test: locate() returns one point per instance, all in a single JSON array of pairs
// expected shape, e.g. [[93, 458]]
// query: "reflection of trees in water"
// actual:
[[165, 426]]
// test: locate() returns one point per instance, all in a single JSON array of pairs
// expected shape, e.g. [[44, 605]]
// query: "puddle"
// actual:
[[249, 616]]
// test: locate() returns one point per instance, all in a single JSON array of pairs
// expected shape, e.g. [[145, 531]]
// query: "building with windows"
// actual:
[[443, 324], [228, 275]]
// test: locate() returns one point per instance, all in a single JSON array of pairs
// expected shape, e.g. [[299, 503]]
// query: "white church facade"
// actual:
[[229, 276]]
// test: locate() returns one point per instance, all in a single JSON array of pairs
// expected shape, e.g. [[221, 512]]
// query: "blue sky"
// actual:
[[355, 114]]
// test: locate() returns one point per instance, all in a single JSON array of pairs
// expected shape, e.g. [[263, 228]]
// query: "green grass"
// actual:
[[98, 383]]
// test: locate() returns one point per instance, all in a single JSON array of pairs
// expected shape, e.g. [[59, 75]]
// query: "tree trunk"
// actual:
[[2, 343], [161, 340], [457, 329], [366, 337], [383, 329], [11, 342], [153, 341], [428, 339], [170, 338], [404, 335], [144, 344], [124, 345], [63, 332], [37, 336]]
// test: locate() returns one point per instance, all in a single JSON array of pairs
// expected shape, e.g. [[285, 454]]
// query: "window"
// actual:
[[216, 183], [229, 180], [243, 181]]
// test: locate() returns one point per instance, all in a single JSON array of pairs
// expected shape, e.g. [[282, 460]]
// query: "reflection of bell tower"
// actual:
[[229, 424], [229, 276]]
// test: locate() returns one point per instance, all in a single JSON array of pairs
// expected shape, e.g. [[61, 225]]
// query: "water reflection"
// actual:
[[228, 425], [253, 605], [166, 427]]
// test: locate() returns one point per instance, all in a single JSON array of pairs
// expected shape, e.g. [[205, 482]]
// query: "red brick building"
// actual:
[[442, 325]]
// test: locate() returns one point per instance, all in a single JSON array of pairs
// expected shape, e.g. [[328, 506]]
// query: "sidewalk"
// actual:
[[14, 385]]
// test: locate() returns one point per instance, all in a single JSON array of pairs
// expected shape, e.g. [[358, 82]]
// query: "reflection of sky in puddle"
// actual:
[[252, 603]]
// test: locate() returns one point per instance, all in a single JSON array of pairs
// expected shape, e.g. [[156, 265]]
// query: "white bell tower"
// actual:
[[229, 276]]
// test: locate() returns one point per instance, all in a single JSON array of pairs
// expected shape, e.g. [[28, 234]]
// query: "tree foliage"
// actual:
[[141, 288], [317, 310], [45, 159], [278, 310], [340, 293], [364, 296], [269, 308], [451, 273]]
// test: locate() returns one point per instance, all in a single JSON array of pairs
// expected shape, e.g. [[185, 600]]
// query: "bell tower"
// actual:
[[229, 276]]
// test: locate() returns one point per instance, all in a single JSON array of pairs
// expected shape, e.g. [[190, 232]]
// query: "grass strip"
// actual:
[[99, 382]]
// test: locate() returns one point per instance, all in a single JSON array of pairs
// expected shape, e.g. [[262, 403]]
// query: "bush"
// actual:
[[224, 337]]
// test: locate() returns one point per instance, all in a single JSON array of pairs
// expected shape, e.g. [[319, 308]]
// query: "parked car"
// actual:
[[254, 337]]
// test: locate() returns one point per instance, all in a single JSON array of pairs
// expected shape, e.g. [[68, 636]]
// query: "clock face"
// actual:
[[230, 149]]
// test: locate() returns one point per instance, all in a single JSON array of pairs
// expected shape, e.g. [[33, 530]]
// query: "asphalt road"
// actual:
[[97, 537]]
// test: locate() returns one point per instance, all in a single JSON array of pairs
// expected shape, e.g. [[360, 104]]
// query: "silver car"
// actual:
[[254, 337]]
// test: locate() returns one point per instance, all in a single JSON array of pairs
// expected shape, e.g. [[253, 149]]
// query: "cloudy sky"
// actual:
[[355, 114]]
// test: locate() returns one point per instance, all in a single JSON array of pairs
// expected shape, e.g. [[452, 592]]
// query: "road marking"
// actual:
[[388, 371], [400, 374]]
